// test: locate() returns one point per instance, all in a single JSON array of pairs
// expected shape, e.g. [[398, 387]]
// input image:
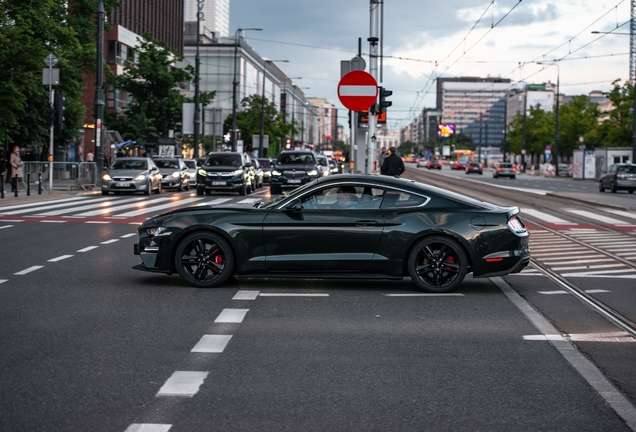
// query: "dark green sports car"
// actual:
[[341, 226]]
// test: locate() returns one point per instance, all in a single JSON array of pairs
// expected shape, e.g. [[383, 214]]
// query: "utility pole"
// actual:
[[373, 70], [197, 67], [99, 96]]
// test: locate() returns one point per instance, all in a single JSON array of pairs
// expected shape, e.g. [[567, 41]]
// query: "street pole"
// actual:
[[262, 133], [373, 70], [556, 120], [523, 139], [197, 108], [99, 97]]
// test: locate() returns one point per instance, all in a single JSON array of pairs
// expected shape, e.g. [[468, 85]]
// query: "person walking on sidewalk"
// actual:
[[393, 165], [16, 168]]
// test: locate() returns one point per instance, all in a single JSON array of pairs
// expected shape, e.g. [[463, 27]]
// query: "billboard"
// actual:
[[445, 130]]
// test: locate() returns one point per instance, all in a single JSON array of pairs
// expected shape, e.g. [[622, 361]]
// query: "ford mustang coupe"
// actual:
[[340, 226]]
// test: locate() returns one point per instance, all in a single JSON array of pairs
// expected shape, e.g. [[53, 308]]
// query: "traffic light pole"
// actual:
[[373, 70], [99, 97]]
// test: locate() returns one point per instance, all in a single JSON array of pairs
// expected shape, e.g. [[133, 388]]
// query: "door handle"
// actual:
[[366, 223]]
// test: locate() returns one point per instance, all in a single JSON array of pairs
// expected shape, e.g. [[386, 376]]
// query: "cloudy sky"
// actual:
[[429, 38]]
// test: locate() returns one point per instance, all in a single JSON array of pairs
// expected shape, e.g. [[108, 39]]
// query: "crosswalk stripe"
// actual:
[[38, 203], [107, 210], [102, 205], [219, 201], [159, 207], [48, 206], [597, 217], [545, 217]]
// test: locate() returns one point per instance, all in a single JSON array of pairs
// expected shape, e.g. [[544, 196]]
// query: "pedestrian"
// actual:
[[393, 165], [90, 157], [383, 156], [16, 168]]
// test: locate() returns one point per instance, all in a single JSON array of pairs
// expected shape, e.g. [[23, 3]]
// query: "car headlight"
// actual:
[[140, 177], [276, 172], [312, 173], [202, 172], [158, 231], [175, 175], [107, 177]]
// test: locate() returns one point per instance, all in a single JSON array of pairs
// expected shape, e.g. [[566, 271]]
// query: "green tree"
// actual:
[[577, 118], [248, 122], [154, 83], [29, 31], [539, 132], [616, 129]]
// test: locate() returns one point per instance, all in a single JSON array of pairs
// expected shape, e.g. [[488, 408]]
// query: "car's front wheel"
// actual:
[[437, 264], [204, 260]]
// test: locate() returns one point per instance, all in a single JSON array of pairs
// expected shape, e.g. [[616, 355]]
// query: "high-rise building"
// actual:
[[215, 18]]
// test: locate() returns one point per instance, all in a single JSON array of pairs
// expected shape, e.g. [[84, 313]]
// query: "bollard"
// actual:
[[40, 183], [1, 185], [15, 193], [29, 183]]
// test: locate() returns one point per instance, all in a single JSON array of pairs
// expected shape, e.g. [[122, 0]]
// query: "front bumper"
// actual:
[[125, 186]]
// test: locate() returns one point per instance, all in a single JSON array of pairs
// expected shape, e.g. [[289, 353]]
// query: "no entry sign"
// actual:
[[357, 90]]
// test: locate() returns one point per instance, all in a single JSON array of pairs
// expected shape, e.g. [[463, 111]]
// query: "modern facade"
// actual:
[[326, 120], [215, 18]]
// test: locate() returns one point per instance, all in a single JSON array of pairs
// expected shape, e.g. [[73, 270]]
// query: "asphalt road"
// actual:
[[88, 343]]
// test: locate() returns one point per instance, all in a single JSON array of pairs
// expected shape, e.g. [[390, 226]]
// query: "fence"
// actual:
[[64, 176]]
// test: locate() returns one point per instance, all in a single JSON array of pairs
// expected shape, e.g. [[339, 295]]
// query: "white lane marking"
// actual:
[[246, 295], [545, 217], [559, 254], [104, 203], [154, 209], [551, 249], [615, 243], [584, 267], [56, 204], [594, 291], [86, 249], [621, 213], [547, 337], [602, 272], [249, 201], [40, 203], [183, 383], [218, 201], [53, 221], [212, 344], [12, 220], [28, 270], [577, 261], [3, 281], [60, 258], [292, 295], [602, 337], [6, 226], [148, 427], [231, 316], [597, 217], [425, 295], [98, 222], [137, 202], [129, 235], [110, 241]]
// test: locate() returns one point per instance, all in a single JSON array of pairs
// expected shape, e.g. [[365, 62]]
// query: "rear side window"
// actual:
[[627, 169], [398, 199]]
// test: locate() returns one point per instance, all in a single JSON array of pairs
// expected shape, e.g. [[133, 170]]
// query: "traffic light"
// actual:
[[384, 93], [58, 109]]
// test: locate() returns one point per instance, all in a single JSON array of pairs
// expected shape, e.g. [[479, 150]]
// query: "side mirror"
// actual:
[[294, 207]]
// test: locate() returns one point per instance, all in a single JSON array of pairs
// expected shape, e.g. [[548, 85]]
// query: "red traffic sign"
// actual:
[[357, 90]]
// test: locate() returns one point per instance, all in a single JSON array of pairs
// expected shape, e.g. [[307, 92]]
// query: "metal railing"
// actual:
[[39, 178]]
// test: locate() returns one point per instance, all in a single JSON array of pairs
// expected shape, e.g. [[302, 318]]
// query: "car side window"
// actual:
[[398, 199], [344, 197]]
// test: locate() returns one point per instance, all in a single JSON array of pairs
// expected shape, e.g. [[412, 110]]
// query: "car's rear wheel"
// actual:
[[437, 264], [204, 260]]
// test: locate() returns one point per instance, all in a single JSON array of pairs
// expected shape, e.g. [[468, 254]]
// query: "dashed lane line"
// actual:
[[212, 344], [183, 384], [60, 258], [28, 270]]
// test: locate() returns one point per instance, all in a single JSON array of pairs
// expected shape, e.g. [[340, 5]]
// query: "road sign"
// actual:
[[50, 60], [357, 90]]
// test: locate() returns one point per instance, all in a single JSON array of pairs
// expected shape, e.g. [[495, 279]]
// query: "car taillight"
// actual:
[[499, 169], [514, 170], [515, 225]]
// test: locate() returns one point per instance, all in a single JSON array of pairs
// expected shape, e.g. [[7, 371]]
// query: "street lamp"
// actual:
[[556, 124], [262, 133], [235, 83]]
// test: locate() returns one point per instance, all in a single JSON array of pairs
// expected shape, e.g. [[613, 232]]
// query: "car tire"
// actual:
[[204, 260], [513, 177], [158, 191], [180, 188], [148, 188], [199, 192], [437, 264], [243, 190], [600, 187]]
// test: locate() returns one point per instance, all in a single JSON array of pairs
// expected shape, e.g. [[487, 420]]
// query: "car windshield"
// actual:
[[129, 164], [190, 164], [323, 161], [166, 163], [232, 160], [631, 169], [296, 159], [265, 163]]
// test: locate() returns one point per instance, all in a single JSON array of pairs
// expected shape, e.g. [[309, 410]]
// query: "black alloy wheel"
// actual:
[[204, 260], [437, 264]]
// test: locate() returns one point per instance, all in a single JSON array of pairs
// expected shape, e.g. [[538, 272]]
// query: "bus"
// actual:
[[460, 158]]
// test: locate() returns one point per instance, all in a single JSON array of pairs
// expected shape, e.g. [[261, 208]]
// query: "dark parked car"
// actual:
[[225, 171], [132, 174], [293, 168], [340, 226], [474, 167], [175, 173], [619, 177], [504, 169]]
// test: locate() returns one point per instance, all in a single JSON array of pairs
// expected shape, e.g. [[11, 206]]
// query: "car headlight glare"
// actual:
[[158, 231], [107, 177], [237, 172], [312, 173], [276, 172], [175, 175], [140, 177], [202, 172]]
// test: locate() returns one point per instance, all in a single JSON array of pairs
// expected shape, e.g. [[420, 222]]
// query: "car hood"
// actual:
[[219, 168], [298, 167], [126, 173]]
